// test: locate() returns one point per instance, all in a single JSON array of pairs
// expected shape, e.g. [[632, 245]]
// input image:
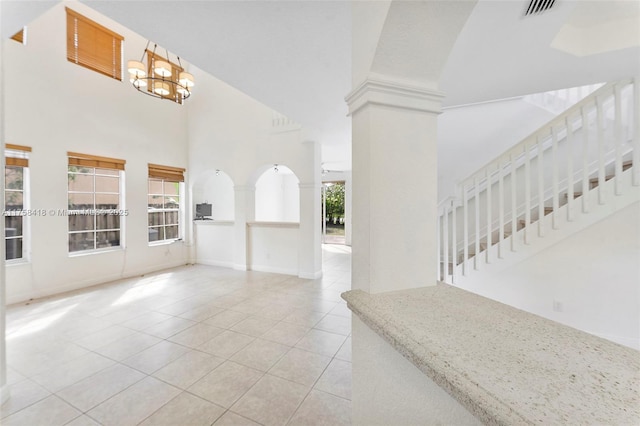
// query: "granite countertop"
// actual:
[[504, 365]]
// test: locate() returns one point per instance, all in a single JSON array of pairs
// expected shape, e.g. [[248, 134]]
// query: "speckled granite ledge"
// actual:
[[504, 365]]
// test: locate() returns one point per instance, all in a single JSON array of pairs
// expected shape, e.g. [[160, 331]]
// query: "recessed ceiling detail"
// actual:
[[538, 6], [598, 27]]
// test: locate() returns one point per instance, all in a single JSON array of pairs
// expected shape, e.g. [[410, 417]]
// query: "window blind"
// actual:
[[174, 174], [17, 160], [84, 160], [19, 36], [93, 46]]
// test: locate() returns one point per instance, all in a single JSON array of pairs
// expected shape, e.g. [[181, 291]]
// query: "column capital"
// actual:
[[398, 93]]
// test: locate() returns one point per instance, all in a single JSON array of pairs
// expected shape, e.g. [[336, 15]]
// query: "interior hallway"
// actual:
[[195, 345]]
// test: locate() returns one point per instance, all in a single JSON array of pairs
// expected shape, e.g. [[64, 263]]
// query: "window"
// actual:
[[95, 207], [93, 46], [164, 202], [15, 171]]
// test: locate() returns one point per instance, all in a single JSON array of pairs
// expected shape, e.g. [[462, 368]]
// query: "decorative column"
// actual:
[[394, 184], [310, 249], [310, 245], [4, 388], [245, 211]]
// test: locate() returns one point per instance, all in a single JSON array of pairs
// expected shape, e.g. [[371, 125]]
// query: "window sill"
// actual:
[[97, 251], [165, 242], [17, 262]]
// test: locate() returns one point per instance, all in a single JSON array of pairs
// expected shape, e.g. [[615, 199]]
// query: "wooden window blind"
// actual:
[[175, 73], [22, 161], [173, 174], [93, 46], [84, 160], [19, 36]]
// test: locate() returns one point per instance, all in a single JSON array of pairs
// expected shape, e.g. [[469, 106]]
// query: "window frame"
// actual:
[[18, 156], [164, 210], [165, 174], [95, 164]]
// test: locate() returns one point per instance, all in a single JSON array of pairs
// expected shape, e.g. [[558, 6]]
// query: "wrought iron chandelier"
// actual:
[[159, 77]]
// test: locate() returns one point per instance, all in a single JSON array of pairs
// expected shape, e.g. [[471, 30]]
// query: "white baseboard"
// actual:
[[630, 342], [221, 263], [274, 270], [310, 275]]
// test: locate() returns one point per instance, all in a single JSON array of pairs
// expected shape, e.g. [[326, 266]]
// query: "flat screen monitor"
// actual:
[[203, 210]]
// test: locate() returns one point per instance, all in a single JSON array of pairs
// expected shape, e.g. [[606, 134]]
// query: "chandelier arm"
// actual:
[[145, 50]]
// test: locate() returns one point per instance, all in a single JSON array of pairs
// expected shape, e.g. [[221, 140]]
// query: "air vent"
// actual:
[[539, 6]]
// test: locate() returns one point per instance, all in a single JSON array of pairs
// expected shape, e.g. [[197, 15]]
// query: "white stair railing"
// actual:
[[557, 101], [559, 169]]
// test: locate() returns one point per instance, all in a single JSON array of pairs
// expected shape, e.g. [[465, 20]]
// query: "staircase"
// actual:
[[575, 170]]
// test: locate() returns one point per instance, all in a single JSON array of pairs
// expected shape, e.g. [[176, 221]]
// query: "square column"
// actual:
[[4, 388], [310, 249], [245, 211], [394, 185]]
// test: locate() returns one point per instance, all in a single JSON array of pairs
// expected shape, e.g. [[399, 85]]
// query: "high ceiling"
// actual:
[[295, 56]]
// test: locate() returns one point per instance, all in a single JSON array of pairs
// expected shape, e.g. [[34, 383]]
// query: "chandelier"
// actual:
[[160, 78]]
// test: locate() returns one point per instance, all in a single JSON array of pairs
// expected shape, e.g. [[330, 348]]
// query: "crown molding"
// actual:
[[398, 93]]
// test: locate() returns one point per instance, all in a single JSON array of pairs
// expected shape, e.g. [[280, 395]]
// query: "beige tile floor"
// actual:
[[195, 345]]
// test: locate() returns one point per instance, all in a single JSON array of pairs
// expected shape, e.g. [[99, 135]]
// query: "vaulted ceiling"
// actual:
[[295, 56]]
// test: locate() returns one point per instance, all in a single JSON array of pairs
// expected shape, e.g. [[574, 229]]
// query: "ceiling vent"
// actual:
[[538, 6]]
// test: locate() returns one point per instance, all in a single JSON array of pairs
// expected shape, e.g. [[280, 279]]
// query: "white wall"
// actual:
[[55, 106], [273, 247], [471, 136], [389, 390], [214, 242], [277, 196], [592, 278]]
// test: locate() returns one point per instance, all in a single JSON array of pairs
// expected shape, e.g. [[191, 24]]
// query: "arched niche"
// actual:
[[277, 195], [216, 188]]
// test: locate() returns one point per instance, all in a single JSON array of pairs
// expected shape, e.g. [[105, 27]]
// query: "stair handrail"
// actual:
[[543, 130], [564, 184]]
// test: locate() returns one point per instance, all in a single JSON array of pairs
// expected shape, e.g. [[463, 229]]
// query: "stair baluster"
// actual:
[[501, 223], [585, 160], [527, 193], [636, 132], [540, 186], [618, 138], [570, 153]]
